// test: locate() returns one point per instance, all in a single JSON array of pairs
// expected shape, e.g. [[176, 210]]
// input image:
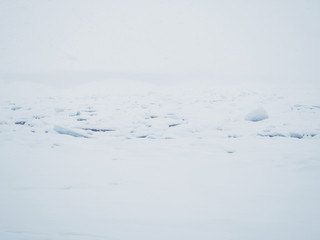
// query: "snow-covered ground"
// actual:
[[125, 160]]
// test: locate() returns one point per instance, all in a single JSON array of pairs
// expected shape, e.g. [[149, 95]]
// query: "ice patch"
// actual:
[[273, 134], [15, 108], [20, 123], [296, 135], [174, 124], [98, 129]]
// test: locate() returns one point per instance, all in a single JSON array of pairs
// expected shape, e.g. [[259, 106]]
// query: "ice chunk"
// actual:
[[256, 115], [62, 130]]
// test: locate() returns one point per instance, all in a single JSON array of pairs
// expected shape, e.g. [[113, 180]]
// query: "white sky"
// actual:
[[270, 39]]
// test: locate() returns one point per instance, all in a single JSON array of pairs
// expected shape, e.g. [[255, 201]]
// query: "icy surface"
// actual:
[[142, 160]]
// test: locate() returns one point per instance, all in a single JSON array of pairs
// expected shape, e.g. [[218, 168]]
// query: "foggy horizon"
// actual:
[[265, 40]]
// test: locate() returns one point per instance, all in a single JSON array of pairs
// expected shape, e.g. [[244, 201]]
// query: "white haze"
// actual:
[[238, 40]]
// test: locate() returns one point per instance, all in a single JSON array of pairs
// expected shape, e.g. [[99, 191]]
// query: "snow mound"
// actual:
[[257, 115]]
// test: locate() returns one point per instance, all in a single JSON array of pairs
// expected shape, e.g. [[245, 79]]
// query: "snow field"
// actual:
[[103, 161]]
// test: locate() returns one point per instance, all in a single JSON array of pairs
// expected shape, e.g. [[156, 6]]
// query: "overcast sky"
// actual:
[[271, 39]]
